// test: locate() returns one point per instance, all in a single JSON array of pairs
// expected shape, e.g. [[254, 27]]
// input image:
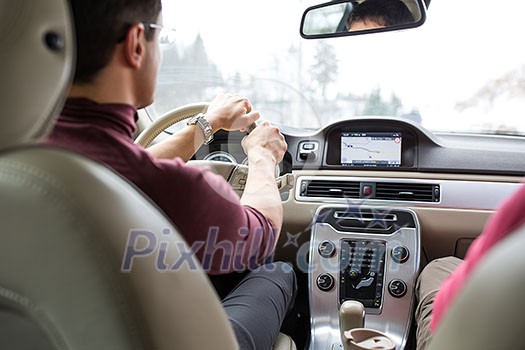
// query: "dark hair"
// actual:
[[384, 12], [101, 24]]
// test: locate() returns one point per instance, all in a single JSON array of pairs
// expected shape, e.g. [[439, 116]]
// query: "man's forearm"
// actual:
[[225, 112], [182, 144], [261, 190]]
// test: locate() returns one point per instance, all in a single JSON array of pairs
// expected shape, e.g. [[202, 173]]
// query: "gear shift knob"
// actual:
[[351, 315]]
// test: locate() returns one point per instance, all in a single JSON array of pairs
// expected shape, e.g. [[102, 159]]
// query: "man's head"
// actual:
[[116, 42], [379, 13]]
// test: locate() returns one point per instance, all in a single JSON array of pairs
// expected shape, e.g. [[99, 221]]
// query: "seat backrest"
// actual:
[[93, 278], [489, 312], [86, 260]]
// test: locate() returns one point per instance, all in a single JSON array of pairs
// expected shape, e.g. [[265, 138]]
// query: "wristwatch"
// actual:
[[204, 125]]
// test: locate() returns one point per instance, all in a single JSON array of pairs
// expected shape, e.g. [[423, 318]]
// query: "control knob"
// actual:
[[397, 288], [325, 282], [400, 254]]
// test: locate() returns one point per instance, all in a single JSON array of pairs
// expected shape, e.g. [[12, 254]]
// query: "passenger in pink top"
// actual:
[[443, 279], [506, 220]]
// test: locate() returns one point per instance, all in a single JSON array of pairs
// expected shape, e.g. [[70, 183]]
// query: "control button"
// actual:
[[436, 193], [365, 282], [367, 189], [325, 282], [307, 155], [303, 188], [397, 288], [326, 249], [308, 146], [353, 274], [308, 151], [400, 254]]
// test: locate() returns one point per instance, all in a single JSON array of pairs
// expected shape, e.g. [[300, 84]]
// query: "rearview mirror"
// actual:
[[342, 18]]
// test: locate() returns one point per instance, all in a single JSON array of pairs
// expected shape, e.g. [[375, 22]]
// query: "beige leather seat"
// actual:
[[490, 312], [65, 222]]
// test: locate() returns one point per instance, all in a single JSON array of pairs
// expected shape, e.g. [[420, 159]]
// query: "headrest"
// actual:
[[36, 66]]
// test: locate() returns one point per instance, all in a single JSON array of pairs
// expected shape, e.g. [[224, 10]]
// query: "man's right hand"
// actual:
[[265, 141], [230, 112]]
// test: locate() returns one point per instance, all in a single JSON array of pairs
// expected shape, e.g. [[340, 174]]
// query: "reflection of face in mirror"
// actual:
[[372, 14], [338, 18]]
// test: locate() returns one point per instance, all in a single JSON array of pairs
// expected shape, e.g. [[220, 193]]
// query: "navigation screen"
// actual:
[[373, 149]]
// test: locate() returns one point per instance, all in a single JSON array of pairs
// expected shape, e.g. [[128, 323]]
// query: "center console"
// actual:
[[366, 254]]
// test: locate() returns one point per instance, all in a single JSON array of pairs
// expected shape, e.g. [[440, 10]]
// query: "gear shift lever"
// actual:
[[351, 322], [351, 315]]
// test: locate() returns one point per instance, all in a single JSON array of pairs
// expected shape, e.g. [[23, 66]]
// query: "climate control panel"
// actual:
[[361, 276]]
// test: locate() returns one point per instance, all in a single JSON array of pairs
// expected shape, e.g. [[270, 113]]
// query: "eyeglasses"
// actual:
[[166, 35]]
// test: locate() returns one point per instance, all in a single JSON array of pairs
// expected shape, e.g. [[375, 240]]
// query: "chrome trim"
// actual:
[[216, 154], [344, 215], [395, 315]]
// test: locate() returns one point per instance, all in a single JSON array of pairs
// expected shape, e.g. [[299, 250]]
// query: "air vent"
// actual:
[[332, 189], [407, 192], [387, 191]]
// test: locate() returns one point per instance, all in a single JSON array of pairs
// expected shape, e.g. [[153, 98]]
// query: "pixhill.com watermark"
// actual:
[[211, 255], [214, 254]]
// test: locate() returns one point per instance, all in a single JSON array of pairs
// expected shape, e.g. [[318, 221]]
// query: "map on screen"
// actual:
[[374, 149]]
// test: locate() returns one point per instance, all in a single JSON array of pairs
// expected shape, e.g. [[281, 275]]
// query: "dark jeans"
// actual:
[[256, 307]]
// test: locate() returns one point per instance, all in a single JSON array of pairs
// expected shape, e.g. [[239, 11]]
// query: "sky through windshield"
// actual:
[[463, 70]]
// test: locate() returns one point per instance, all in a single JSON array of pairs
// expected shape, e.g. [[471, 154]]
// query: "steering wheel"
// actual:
[[234, 174], [168, 119]]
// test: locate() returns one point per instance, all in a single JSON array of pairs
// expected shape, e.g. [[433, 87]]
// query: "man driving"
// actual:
[[118, 56]]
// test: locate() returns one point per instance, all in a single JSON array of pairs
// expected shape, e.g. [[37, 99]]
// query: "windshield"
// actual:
[[462, 71]]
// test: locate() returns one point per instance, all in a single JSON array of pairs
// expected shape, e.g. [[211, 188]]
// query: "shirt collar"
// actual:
[[117, 116]]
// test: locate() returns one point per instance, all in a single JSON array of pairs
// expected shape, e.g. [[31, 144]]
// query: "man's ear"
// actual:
[[134, 45]]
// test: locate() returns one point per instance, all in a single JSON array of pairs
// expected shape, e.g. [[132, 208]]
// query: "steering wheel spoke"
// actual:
[[235, 174]]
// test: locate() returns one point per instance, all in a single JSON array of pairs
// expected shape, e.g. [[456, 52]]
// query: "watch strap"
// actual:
[[204, 125]]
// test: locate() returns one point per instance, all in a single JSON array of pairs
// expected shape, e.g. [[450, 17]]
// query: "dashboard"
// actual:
[[408, 147], [384, 144]]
